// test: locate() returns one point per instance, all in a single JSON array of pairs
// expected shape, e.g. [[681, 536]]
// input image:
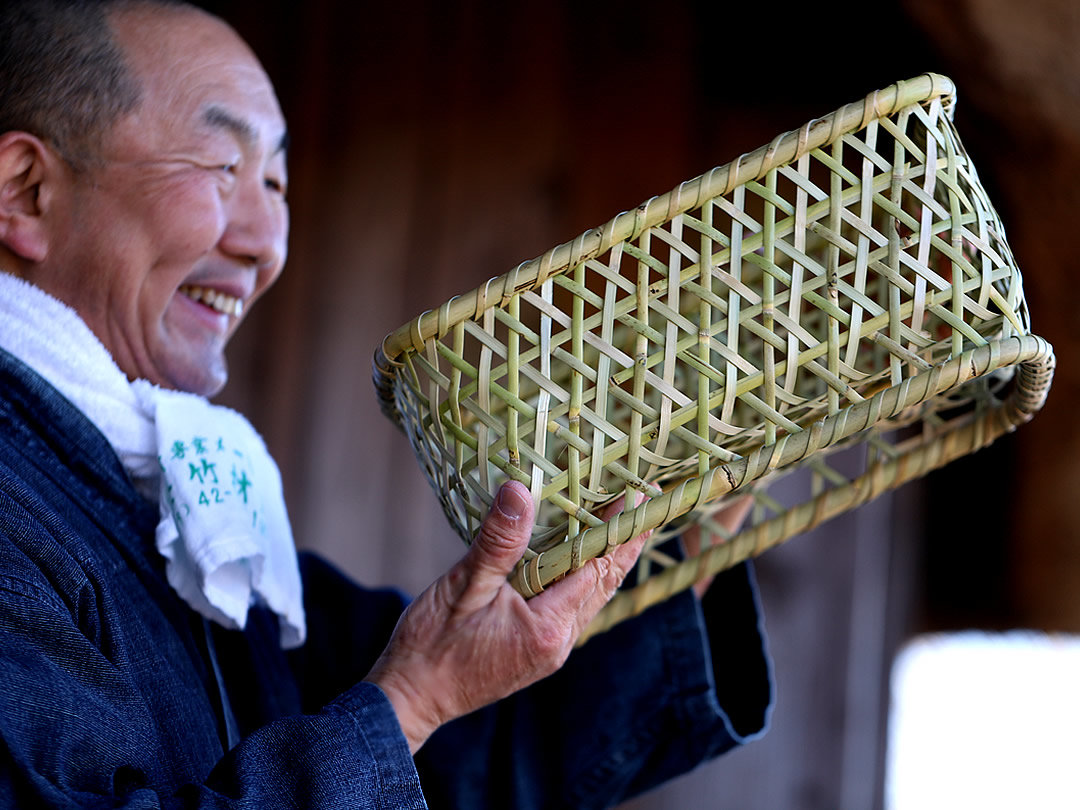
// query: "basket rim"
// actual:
[[1031, 354], [751, 166]]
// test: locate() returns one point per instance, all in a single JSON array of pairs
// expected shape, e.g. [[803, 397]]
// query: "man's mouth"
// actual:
[[214, 299]]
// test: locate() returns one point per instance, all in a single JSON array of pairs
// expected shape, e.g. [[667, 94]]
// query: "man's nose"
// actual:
[[257, 227]]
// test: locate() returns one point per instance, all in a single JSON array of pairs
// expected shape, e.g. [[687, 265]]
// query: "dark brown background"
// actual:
[[436, 144]]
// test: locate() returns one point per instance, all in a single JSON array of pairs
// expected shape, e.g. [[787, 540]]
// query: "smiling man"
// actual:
[[177, 220], [161, 643]]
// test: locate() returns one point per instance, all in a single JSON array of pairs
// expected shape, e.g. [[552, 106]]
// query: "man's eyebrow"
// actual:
[[220, 118]]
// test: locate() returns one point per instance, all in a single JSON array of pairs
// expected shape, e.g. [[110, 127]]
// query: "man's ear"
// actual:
[[29, 170]]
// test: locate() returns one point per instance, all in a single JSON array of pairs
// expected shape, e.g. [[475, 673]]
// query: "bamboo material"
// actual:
[[841, 302]]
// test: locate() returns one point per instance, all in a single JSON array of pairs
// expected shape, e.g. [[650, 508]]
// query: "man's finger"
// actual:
[[581, 594], [731, 517], [618, 564], [501, 541], [616, 506]]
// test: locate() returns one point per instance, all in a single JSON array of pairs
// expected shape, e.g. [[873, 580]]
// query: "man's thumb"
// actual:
[[504, 533]]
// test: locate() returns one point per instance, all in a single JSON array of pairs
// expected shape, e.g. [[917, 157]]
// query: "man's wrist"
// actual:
[[404, 699]]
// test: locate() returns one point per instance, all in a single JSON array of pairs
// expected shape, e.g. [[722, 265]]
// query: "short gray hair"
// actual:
[[63, 77]]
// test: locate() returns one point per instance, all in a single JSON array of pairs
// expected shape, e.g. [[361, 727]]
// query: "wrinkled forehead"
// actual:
[[186, 60]]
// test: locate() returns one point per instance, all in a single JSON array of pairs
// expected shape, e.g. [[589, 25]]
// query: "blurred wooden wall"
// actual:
[[438, 144], [1018, 69]]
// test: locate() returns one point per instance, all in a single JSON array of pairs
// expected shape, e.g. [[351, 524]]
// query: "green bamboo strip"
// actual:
[[703, 342], [832, 270], [768, 305], [574, 415], [513, 383], [957, 243], [866, 210], [641, 353]]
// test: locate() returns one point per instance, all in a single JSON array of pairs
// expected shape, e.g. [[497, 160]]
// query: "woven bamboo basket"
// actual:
[[841, 302]]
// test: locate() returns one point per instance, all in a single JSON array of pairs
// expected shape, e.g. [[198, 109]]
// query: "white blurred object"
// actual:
[[985, 721]]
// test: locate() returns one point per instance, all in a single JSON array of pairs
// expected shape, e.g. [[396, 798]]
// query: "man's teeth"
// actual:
[[223, 303]]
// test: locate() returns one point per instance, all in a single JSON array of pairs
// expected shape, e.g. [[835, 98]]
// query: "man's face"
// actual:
[[184, 223]]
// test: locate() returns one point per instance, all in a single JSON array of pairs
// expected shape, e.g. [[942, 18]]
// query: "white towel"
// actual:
[[224, 530]]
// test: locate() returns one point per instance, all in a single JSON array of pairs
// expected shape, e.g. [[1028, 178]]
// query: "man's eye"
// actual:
[[274, 184]]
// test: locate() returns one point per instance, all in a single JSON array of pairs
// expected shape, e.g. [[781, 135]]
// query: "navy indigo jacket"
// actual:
[[114, 694]]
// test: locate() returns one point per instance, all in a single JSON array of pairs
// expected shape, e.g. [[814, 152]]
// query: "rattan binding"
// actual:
[[841, 301]]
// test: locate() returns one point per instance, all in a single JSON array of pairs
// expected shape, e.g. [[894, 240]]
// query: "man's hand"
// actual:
[[471, 639], [731, 517]]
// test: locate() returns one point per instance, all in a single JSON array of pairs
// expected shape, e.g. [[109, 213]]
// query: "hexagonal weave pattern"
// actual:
[[841, 301]]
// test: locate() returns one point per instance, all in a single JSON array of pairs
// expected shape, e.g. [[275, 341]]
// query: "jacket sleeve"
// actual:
[[640, 704], [79, 730], [648, 700]]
